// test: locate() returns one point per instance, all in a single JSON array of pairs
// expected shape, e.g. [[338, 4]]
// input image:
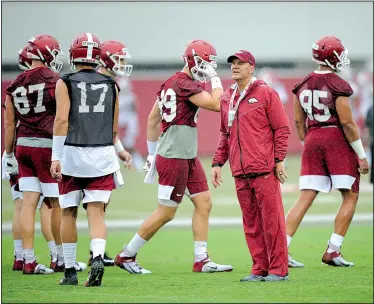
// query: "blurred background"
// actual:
[[279, 35]]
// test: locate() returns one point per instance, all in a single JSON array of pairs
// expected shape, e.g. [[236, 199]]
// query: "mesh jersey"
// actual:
[[317, 93]]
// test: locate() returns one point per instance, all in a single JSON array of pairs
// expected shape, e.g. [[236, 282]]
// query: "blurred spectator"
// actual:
[[271, 78], [128, 122], [369, 124]]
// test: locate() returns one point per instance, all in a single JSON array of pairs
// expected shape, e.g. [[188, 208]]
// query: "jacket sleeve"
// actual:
[[280, 124], [222, 152]]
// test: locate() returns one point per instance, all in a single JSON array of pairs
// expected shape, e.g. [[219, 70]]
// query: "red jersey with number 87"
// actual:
[[317, 93], [33, 96]]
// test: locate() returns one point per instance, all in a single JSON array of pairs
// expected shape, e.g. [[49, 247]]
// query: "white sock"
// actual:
[[70, 254], [200, 250], [132, 248], [98, 247], [60, 254], [289, 239], [29, 255], [335, 243], [18, 250], [52, 249]]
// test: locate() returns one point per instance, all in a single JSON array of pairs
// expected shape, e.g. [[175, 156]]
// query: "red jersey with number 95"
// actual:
[[317, 93], [33, 96], [174, 104]]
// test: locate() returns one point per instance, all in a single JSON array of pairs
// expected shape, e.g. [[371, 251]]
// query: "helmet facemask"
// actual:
[[344, 62], [55, 65], [121, 68], [200, 66]]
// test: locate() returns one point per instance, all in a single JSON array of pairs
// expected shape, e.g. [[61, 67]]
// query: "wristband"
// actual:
[[58, 147], [358, 148], [216, 82], [216, 165], [118, 147], [152, 147], [9, 155]]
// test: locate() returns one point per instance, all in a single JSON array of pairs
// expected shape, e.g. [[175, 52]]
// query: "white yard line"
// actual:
[[214, 221]]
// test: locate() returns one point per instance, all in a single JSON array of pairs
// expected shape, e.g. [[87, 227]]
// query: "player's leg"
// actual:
[[16, 229], [97, 193], [268, 197], [343, 166], [173, 175], [198, 192], [314, 178], [253, 232]]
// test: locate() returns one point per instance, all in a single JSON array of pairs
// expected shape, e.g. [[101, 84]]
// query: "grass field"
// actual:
[[169, 255]]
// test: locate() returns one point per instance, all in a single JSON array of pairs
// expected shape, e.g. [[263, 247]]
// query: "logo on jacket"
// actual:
[[252, 100]]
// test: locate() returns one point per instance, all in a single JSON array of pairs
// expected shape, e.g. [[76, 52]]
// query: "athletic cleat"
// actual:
[[130, 265], [17, 264], [35, 268], [207, 265], [294, 264], [335, 258], [95, 275], [108, 261], [53, 263], [79, 266], [275, 278], [253, 278], [70, 277], [59, 268]]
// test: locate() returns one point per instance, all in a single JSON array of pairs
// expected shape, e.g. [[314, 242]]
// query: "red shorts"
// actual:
[[179, 176], [328, 161], [92, 189], [34, 170]]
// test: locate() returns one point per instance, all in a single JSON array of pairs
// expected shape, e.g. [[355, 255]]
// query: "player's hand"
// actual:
[[363, 166], [209, 71], [281, 173], [216, 176], [126, 158], [148, 163], [56, 170], [11, 164]]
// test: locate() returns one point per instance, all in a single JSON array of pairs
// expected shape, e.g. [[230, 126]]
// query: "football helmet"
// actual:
[[24, 62], [197, 56], [47, 49], [114, 55], [85, 48], [331, 51]]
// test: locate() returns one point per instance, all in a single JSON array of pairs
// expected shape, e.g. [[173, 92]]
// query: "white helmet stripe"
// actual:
[[90, 46]]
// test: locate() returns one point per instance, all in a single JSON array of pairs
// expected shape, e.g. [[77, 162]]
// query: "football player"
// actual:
[[175, 155], [85, 127], [333, 155]]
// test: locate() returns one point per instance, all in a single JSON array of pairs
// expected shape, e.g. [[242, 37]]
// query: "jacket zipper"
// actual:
[[237, 133]]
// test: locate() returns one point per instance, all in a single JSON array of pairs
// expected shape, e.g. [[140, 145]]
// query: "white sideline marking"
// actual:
[[213, 221]]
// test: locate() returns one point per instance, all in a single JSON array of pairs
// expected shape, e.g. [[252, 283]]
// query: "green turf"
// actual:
[[169, 256]]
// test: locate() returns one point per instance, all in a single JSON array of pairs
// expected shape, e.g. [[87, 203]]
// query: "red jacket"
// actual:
[[259, 132]]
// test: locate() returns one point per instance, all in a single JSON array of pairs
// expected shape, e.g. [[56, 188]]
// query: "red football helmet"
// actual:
[[114, 55], [24, 62], [85, 48], [197, 55], [47, 49], [331, 51]]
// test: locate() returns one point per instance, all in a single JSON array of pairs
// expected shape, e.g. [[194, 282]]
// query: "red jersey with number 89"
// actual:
[[33, 96], [317, 93], [174, 104]]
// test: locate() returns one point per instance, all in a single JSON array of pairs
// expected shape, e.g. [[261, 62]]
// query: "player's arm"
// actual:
[[10, 125], [60, 127], [299, 115], [350, 129]]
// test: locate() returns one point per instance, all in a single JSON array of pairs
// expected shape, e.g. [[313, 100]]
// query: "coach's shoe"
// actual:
[[275, 278], [17, 264], [335, 258], [108, 261], [95, 275], [294, 264], [130, 264], [253, 278], [207, 265], [70, 277], [35, 268]]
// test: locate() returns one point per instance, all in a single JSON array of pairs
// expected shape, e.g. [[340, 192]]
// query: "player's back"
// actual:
[[318, 93], [33, 96], [179, 117], [89, 150]]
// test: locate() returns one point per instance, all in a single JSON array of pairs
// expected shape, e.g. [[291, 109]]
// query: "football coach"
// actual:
[[254, 138]]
